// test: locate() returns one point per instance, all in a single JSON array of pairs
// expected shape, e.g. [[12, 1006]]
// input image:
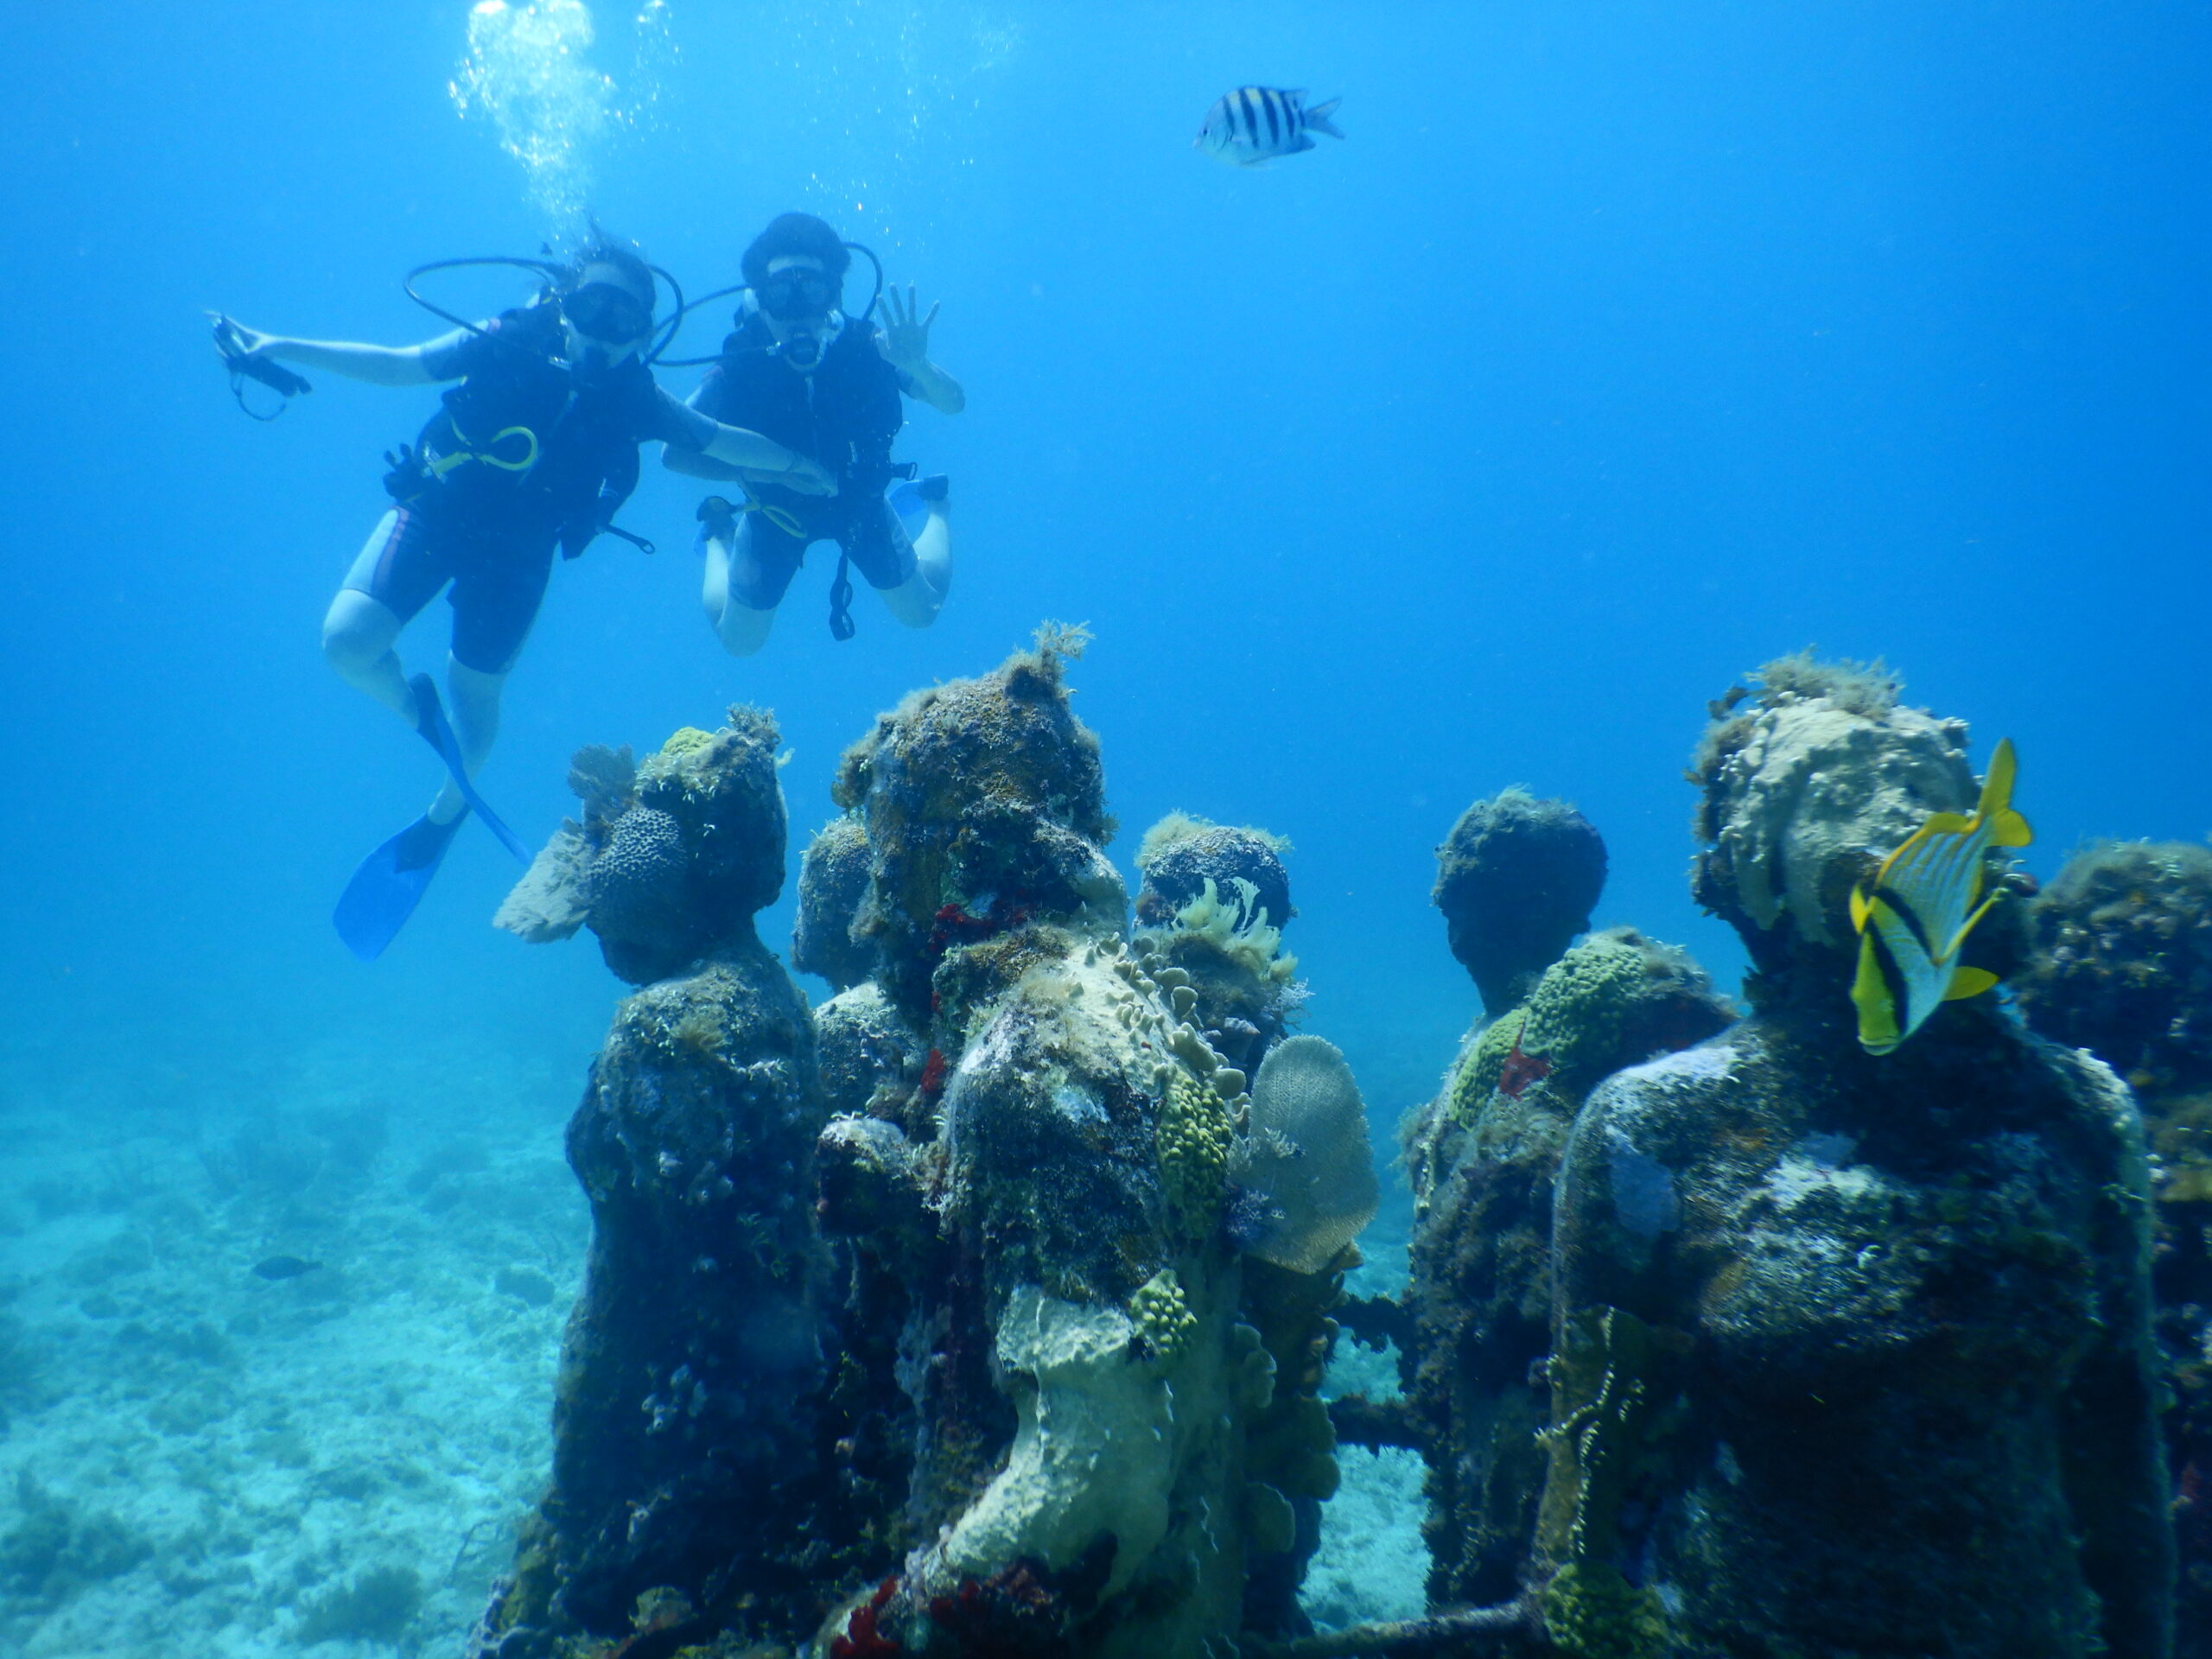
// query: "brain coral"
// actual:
[[636, 881], [1307, 1155]]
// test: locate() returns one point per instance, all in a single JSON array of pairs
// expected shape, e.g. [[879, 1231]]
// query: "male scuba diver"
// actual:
[[800, 371], [536, 447]]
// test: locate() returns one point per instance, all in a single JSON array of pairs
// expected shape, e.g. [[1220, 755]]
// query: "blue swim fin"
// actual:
[[384, 891], [439, 735]]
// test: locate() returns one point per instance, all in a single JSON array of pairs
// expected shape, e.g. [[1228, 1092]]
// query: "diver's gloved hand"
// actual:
[[903, 341]]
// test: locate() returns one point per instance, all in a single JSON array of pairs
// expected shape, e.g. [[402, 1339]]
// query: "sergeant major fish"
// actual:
[[1924, 901], [1249, 126]]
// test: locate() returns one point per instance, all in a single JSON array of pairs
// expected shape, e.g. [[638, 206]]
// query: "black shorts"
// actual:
[[499, 580], [766, 555]]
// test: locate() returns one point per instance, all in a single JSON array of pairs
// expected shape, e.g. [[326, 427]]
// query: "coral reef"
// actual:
[[1306, 1157], [672, 858], [1223, 955], [693, 1370], [1516, 880], [984, 804], [832, 881]]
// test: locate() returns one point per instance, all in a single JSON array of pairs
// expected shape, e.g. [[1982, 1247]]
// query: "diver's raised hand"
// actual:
[[903, 340]]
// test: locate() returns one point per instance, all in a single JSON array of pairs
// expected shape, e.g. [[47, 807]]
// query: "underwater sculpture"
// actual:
[[1516, 880], [1020, 1351], [2122, 966], [1482, 1159], [1851, 1352], [693, 1361]]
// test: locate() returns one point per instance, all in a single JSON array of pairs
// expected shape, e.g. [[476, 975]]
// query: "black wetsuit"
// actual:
[[844, 416], [525, 455]]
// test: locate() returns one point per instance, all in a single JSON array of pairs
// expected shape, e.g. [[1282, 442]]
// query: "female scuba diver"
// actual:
[[536, 447], [798, 370]]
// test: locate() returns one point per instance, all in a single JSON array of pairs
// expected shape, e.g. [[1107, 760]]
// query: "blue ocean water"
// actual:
[[1616, 350]]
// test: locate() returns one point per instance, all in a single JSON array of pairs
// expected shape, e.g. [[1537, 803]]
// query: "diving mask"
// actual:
[[602, 312], [789, 296]]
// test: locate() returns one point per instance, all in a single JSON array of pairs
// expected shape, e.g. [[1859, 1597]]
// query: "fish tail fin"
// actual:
[[2007, 828], [1862, 908], [1969, 982], [1317, 118]]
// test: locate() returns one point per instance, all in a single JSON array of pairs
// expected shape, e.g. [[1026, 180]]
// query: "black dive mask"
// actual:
[[604, 312], [792, 295]]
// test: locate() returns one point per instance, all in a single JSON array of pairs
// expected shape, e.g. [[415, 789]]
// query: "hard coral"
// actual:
[[1183, 856], [1617, 998], [1308, 1153]]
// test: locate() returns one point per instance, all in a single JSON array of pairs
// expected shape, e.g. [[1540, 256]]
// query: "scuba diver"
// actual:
[[800, 369], [536, 447]]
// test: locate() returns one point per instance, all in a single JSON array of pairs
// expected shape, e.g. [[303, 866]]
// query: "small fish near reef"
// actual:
[[1924, 901], [283, 1266], [1253, 124]]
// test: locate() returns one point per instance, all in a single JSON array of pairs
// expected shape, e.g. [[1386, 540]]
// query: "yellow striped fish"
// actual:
[[1924, 901]]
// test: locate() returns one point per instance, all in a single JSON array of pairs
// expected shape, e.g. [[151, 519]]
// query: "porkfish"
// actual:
[[1924, 901]]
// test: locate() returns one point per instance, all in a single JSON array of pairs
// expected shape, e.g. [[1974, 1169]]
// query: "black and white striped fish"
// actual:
[[1251, 125]]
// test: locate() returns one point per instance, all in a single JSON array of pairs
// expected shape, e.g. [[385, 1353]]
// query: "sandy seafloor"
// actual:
[[198, 1461]]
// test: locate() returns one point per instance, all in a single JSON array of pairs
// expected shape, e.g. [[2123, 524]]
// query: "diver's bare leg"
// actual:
[[742, 630], [917, 601], [358, 635], [473, 697]]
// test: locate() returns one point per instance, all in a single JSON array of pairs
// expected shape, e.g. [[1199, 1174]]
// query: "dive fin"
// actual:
[[1317, 118], [439, 735], [388, 886], [1969, 982]]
